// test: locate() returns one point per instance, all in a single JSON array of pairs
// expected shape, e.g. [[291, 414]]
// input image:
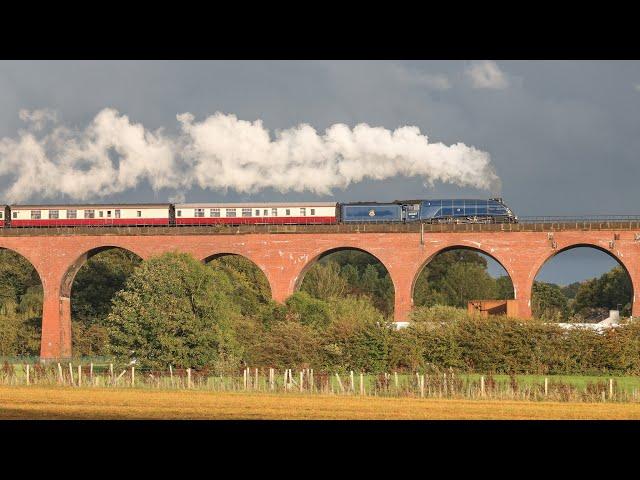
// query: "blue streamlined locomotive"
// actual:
[[493, 210]]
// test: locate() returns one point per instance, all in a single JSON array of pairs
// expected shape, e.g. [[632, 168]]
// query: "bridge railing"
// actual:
[[579, 219]]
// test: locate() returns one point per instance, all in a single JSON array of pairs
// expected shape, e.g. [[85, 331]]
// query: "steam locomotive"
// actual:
[[493, 210]]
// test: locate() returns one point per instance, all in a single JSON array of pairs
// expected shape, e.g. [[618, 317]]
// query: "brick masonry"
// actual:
[[285, 257]]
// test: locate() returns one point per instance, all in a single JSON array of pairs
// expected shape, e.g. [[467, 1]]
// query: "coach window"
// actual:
[[100, 213], [257, 213], [246, 212], [198, 212], [15, 214], [313, 211], [274, 212], [108, 213], [265, 213], [303, 212], [54, 214], [0, 214], [89, 214], [231, 212], [179, 213], [288, 212], [35, 215], [214, 212], [72, 214], [116, 213]]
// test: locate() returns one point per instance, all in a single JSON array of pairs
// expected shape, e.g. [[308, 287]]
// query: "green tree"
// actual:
[[548, 302], [173, 311], [324, 281]]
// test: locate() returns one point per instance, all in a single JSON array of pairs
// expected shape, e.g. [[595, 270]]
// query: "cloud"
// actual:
[[37, 119], [637, 87], [435, 81], [113, 154], [486, 74]]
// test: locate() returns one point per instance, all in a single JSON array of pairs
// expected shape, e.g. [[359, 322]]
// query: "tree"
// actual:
[[548, 302], [611, 289], [173, 311], [323, 281]]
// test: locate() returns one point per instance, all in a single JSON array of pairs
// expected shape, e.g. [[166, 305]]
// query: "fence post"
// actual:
[[361, 383], [610, 388], [71, 373], [422, 386], [188, 378], [91, 371], [60, 377], [311, 380], [271, 379], [171, 375], [111, 372], [133, 376], [301, 380], [352, 387], [546, 386], [340, 382], [27, 374], [286, 377], [395, 374], [256, 385], [244, 378], [482, 385]]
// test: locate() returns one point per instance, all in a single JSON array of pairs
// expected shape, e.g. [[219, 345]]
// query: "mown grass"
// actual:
[[91, 403]]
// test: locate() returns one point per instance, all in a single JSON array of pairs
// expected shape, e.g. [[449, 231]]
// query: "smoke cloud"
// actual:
[[113, 154]]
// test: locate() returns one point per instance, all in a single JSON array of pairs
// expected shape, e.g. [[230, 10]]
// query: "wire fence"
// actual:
[[448, 384]]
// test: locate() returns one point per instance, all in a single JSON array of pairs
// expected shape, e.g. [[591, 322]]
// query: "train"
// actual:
[[492, 210]]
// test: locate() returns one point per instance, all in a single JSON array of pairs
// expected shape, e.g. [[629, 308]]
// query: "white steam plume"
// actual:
[[112, 155]]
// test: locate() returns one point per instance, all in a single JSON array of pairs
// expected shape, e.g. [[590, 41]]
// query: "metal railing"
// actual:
[[579, 219]]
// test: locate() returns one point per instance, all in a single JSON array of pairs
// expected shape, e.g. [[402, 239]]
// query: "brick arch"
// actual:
[[455, 246], [214, 256], [542, 261], [73, 269], [25, 255]]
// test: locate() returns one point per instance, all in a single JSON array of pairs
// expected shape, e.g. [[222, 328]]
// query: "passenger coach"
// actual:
[[90, 215], [257, 213]]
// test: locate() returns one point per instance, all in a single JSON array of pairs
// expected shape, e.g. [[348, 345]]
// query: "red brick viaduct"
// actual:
[[285, 253]]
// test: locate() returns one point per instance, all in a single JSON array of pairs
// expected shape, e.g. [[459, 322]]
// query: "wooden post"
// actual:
[[301, 380], [188, 378], [351, 382], [482, 385], [91, 371], [79, 375], [361, 383], [60, 377], [256, 382], [395, 374], [71, 373], [171, 375], [286, 376], [610, 388], [271, 378], [111, 372], [133, 376], [422, 386], [546, 386], [311, 380], [244, 378], [27, 374], [340, 382]]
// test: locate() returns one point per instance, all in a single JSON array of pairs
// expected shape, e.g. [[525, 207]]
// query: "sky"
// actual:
[[562, 137]]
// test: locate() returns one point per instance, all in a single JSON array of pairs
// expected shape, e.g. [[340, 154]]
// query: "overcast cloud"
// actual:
[[563, 137]]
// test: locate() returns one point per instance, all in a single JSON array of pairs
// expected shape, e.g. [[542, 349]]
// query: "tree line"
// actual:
[[175, 310]]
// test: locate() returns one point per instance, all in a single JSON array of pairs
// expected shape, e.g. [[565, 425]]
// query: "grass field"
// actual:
[[98, 403]]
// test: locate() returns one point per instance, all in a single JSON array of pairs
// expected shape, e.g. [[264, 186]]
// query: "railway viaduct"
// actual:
[[284, 253]]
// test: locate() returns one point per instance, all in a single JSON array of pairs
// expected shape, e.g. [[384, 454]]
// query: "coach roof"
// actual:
[[92, 205], [256, 204]]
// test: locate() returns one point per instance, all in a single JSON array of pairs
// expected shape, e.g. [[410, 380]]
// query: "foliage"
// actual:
[[457, 276], [548, 302], [173, 311]]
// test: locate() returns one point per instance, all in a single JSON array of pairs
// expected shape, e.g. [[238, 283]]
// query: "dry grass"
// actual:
[[74, 403]]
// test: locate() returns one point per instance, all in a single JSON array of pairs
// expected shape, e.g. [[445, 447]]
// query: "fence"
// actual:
[[307, 381]]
